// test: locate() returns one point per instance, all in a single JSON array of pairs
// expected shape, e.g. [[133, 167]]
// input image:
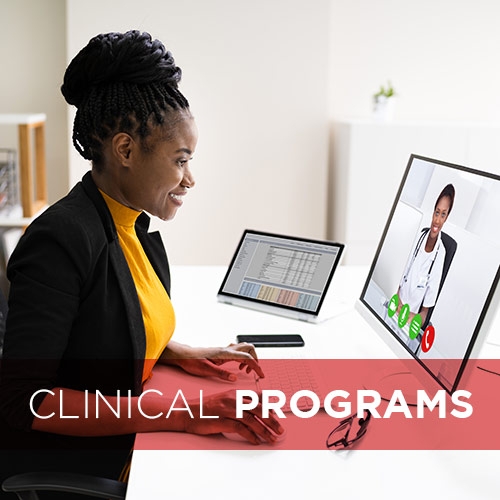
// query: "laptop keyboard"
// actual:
[[288, 377]]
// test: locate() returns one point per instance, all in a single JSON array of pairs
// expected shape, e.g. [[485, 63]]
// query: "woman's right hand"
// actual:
[[252, 426]]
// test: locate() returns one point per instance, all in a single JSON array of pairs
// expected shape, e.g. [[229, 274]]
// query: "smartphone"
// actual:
[[272, 340]]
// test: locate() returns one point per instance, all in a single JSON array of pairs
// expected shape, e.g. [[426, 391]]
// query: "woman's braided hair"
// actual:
[[120, 82]]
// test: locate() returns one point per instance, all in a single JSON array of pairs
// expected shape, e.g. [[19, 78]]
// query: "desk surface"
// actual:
[[265, 473]]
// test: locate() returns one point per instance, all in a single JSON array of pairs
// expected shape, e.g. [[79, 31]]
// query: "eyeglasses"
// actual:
[[348, 431]]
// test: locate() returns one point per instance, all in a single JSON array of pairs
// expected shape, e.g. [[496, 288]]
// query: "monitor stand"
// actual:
[[401, 376], [493, 337], [387, 381]]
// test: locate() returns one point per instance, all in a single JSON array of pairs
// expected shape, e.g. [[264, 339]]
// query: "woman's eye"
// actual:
[[181, 163]]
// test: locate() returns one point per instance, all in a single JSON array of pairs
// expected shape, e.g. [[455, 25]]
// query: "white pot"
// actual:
[[383, 108]]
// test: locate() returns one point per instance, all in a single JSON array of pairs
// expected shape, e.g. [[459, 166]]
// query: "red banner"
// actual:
[[310, 398]]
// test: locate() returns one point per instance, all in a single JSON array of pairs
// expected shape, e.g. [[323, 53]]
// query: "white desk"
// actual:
[[274, 473]]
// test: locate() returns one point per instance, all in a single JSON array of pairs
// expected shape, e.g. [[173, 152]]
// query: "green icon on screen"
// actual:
[[393, 305], [403, 315], [415, 325]]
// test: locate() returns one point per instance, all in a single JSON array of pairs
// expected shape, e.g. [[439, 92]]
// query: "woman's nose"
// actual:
[[188, 180]]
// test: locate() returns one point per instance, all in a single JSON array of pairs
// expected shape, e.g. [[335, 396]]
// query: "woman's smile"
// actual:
[[176, 199]]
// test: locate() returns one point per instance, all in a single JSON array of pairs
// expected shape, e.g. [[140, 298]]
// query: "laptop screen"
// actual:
[[283, 271]]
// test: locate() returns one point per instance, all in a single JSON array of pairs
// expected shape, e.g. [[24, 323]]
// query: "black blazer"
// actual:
[[74, 317]]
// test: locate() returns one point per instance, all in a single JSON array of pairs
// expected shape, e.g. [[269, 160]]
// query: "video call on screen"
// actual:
[[437, 262]]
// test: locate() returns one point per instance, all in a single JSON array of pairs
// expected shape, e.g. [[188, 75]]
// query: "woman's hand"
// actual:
[[207, 361], [243, 353], [252, 426]]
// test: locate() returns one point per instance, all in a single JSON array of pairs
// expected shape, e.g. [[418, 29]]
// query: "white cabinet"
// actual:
[[367, 164]]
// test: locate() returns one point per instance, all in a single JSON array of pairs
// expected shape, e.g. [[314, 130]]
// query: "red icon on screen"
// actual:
[[428, 338]]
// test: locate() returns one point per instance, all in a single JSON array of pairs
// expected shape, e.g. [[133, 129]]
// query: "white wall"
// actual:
[[256, 75], [441, 56], [32, 62], [263, 78]]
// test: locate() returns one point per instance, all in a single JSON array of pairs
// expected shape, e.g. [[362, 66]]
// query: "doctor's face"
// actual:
[[440, 215]]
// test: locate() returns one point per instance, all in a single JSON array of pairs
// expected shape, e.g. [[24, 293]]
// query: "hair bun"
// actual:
[[131, 57]]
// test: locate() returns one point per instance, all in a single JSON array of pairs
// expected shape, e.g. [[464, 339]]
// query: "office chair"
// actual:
[[26, 485]]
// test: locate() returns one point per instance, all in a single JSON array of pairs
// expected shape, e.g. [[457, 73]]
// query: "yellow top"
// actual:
[[157, 311]]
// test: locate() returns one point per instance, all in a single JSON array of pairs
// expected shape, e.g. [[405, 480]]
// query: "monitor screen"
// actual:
[[437, 264], [283, 271]]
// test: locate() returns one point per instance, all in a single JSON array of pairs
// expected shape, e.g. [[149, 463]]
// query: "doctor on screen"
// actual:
[[419, 286]]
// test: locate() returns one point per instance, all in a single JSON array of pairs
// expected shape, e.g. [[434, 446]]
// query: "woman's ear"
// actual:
[[122, 148]]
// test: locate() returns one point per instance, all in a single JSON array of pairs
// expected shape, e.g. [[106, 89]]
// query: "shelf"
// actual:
[[29, 125], [6, 221], [22, 118]]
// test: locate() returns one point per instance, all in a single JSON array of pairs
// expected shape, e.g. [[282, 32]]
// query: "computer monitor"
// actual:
[[436, 268]]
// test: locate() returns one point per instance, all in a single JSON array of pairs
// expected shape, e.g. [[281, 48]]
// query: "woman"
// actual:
[[419, 286], [89, 307]]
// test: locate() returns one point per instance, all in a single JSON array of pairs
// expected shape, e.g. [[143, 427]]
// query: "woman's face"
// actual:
[[160, 177], [440, 215]]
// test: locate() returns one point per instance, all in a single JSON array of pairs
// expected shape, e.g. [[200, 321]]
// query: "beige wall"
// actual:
[[32, 62], [256, 77], [263, 79], [441, 55]]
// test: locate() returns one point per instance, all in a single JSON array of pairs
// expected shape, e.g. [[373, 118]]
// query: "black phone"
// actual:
[[272, 340]]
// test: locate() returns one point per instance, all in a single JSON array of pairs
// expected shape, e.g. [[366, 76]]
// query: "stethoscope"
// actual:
[[417, 248]]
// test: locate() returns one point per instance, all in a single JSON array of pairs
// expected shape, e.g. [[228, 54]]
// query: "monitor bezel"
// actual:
[[340, 247], [486, 306]]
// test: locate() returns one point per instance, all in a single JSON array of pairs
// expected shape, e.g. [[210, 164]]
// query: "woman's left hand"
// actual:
[[243, 353], [207, 361]]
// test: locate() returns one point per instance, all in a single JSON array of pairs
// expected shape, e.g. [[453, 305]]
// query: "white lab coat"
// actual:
[[417, 288]]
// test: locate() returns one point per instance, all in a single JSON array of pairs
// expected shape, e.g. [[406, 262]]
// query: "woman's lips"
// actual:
[[176, 198]]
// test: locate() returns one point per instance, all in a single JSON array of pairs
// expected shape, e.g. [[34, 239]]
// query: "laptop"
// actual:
[[283, 275]]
